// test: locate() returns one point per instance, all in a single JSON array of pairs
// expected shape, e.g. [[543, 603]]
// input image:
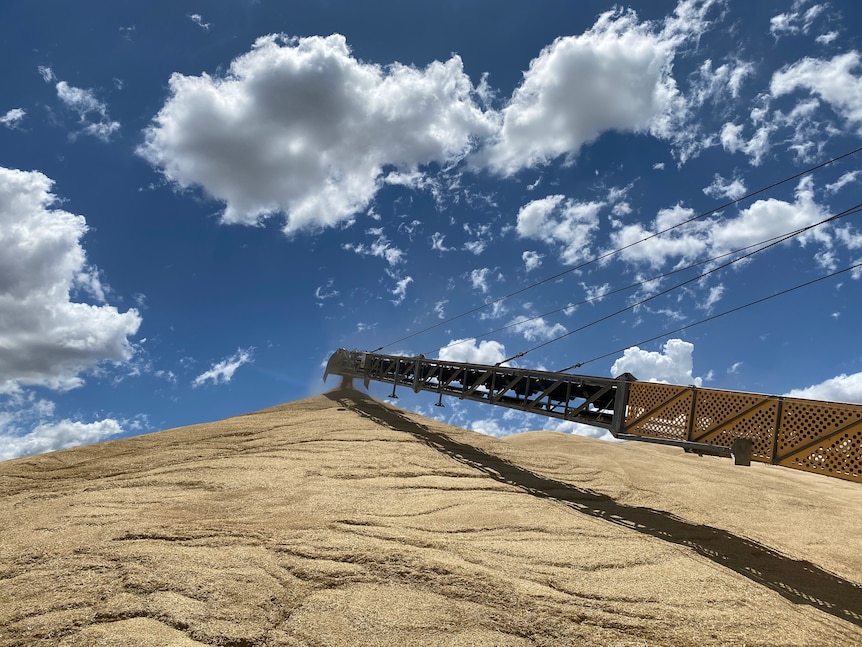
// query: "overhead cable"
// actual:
[[716, 316], [777, 241], [613, 252], [605, 295]]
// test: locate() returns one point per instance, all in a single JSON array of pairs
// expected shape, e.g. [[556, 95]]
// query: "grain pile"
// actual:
[[338, 520]]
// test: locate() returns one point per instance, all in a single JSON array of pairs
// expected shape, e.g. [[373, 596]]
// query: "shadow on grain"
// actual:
[[799, 581]]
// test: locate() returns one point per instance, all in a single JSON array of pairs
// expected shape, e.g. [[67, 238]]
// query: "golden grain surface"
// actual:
[[339, 520]]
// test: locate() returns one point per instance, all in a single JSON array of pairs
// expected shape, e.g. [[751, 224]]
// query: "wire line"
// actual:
[[778, 240], [613, 252], [716, 316], [604, 295]]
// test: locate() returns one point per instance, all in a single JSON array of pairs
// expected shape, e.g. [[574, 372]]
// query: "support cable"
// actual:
[[777, 241], [605, 295], [716, 316], [613, 252]]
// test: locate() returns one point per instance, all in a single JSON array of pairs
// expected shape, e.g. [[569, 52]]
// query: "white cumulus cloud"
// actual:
[[491, 427], [673, 365], [467, 350], [843, 388], [562, 223], [769, 218], [616, 76], [47, 339], [49, 437], [579, 429], [299, 127]]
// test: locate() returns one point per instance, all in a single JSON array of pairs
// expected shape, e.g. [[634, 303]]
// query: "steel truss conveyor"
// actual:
[[821, 437]]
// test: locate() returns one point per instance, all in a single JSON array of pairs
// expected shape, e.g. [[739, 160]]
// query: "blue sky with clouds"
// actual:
[[200, 202]]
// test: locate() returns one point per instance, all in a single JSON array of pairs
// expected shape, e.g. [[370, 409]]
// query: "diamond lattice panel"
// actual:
[[841, 456], [646, 396], [806, 421], [658, 410], [723, 416], [822, 437]]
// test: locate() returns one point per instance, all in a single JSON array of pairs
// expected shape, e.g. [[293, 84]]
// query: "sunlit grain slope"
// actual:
[[338, 520]]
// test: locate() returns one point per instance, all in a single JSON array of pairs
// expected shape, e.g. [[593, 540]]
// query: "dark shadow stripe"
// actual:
[[798, 581]]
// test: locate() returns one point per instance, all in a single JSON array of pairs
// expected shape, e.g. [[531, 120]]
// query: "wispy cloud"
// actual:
[[479, 279], [92, 113], [197, 19], [325, 292], [13, 118], [381, 247], [222, 372], [46, 73], [400, 290]]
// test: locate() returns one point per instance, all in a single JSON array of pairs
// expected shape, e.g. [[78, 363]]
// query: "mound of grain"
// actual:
[[339, 520]]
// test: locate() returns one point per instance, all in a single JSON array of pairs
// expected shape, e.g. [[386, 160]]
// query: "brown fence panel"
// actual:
[[722, 416], [658, 410], [821, 437]]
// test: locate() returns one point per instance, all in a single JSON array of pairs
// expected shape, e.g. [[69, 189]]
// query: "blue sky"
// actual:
[[200, 202]]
